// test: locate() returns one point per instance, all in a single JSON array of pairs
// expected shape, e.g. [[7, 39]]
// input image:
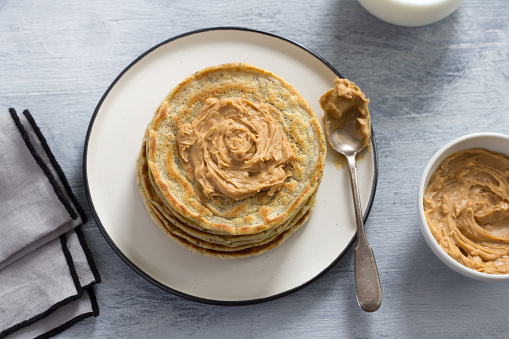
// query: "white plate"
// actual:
[[114, 139]]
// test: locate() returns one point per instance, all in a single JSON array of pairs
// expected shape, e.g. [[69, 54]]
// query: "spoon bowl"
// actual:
[[344, 140]]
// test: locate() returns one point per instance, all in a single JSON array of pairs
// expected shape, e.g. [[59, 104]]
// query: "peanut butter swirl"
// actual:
[[236, 149], [466, 204]]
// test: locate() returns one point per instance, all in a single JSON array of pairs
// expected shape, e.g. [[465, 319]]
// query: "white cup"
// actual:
[[410, 12]]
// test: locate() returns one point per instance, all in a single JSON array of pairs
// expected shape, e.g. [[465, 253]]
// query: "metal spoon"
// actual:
[[345, 139]]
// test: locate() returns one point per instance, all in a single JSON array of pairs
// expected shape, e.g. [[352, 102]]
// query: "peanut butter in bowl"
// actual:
[[467, 209], [464, 206]]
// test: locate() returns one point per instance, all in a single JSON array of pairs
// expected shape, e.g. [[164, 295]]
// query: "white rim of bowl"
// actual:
[[411, 13], [433, 163]]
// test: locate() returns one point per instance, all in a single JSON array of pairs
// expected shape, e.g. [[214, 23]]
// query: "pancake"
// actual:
[[173, 180]]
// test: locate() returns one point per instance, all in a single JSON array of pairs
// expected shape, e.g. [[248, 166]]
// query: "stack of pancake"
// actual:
[[179, 177]]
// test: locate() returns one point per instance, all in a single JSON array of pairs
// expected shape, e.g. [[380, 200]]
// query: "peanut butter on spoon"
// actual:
[[344, 104]]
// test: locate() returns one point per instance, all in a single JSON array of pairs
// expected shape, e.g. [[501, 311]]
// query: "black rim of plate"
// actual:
[[138, 269]]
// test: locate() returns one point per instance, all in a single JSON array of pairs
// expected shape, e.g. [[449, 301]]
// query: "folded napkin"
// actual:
[[46, 269]]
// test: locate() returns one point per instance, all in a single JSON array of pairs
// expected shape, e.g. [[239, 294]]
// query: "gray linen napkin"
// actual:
[[46, 269]]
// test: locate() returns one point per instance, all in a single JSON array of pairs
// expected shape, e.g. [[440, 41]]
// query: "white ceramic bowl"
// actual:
[[490, 141], [410, 12]]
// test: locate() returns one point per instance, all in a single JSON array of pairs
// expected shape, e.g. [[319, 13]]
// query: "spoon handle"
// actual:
[[367, 281]]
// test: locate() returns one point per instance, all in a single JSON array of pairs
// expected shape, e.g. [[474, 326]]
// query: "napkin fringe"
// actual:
[[56, 165], [88, 255], [63, 327], [70, 263], [42, 165], [79, 293]]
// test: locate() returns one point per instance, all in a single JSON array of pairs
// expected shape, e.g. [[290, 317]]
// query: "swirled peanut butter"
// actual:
[[346, 103], [466, 204], [236, 148]]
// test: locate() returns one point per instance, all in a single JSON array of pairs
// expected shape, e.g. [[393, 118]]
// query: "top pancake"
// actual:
[[174, 181]]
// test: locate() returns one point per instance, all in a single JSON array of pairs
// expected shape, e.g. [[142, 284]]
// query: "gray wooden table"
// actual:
[[427, 86]]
